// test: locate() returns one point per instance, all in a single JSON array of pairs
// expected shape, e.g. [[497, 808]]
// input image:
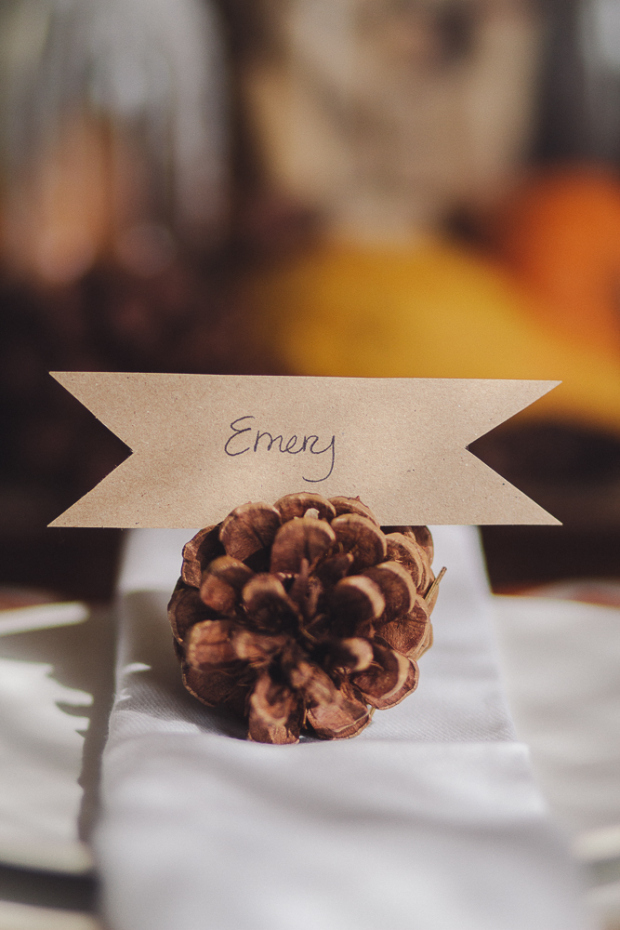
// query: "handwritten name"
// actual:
[[264, 440]]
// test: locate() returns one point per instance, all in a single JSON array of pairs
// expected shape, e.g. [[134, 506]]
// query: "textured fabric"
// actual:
[[429, 819], [562, 662]]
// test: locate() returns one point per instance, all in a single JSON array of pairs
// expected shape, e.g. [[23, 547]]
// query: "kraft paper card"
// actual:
[[202, 444]]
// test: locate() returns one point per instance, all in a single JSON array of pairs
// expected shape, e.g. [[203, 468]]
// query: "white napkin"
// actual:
[[429, 819], [562, 665]]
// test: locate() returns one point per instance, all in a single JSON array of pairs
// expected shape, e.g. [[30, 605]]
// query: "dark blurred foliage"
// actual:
[[578, 116], [185, 318], [562, 115]]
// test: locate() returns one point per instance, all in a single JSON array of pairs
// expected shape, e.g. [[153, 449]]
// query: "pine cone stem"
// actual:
[[435, 585]]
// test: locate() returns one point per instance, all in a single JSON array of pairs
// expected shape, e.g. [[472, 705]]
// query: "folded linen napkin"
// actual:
[[429, 819], [561, 661]]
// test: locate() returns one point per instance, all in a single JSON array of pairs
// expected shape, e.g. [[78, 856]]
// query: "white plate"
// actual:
[[55, 659]]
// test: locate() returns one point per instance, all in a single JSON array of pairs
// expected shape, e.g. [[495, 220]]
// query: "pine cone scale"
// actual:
[[361, 538], [202, 549], [299, 539], [341, 718], [216, 687], [248, 529], [389, 679], [209, 645], [275, 714], [396, 586]]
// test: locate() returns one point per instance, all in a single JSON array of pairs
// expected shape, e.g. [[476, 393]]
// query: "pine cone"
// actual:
[[300, 615]]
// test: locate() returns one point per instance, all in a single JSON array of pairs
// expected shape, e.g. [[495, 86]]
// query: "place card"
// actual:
[[202, 443]]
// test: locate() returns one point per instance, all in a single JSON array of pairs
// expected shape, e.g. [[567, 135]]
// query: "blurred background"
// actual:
[[394, 188], [331, 187]]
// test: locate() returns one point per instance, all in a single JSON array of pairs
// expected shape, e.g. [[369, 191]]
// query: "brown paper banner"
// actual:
[[202, 444]]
